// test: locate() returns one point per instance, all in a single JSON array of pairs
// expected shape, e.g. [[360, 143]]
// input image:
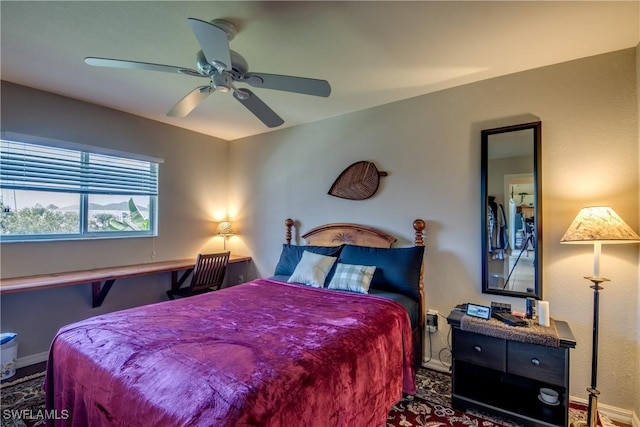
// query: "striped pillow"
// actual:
[[353, 278]]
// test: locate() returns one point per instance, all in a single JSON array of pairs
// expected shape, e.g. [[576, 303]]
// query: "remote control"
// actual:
[[509, 319]]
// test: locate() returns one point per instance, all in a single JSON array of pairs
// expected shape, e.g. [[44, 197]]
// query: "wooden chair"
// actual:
[[208, 275]]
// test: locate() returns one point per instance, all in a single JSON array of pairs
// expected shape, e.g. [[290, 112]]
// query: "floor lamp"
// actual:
[[597, 225], [225, 230]]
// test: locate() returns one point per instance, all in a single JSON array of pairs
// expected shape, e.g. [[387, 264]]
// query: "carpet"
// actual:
[[22, 402], [431, 406], [22, 405]]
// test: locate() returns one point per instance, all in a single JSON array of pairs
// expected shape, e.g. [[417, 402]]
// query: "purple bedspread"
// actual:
[[263, 353]]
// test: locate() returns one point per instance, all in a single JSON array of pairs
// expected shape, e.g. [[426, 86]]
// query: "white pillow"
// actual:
[[312, 269], [351, 277]]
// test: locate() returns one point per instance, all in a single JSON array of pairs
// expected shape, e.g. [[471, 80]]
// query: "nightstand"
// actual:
[[504, 376]]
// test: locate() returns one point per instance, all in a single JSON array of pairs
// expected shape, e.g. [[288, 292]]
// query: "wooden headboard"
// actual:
[[335, 234]]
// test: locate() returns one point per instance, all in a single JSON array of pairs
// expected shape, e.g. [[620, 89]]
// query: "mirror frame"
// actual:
[[537, 142]]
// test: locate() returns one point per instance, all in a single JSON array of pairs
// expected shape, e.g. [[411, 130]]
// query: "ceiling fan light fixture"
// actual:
[[222, 82]]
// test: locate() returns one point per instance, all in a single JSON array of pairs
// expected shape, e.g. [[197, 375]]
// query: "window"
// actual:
[[50, 192]]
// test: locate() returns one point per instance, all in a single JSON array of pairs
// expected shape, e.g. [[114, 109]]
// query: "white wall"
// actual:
[[430, 146], [637, 381], [193, 195]]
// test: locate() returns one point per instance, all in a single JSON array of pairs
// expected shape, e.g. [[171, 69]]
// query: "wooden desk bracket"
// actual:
[[175, 283], [99, 292]]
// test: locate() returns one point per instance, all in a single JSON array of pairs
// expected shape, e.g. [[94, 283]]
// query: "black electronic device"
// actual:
[[461, 307], [509, 319], [501, 307], [481, 311]]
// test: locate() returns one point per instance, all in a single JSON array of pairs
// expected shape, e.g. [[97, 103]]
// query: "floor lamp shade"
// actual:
[[597, 225]]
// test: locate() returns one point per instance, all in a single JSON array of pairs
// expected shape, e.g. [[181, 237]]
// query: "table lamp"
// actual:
[[597, 225], [225, 230]]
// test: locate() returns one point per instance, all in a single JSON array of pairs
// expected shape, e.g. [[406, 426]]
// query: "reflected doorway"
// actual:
[[516, 270]]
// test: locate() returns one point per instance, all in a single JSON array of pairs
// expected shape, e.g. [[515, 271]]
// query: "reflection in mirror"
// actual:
[[511, 226]]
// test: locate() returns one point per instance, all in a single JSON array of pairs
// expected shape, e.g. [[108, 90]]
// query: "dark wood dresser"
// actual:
[[504, 376]]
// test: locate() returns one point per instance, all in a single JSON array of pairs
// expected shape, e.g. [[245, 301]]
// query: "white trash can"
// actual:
[[8, 354]]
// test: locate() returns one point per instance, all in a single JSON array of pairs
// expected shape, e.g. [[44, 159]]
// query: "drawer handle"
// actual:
[[477, 348], [535, 361]]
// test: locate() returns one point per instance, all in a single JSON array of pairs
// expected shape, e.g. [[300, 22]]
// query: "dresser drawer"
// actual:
[[481, 350], [538, 362]]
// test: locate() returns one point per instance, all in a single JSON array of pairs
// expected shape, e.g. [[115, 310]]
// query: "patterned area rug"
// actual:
[[431, 406], [22, 402], [22, 405]]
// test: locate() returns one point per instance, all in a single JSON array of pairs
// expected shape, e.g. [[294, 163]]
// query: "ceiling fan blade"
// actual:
[[135, 65], [258, 108], [191, 101], [213, 41], [289, 83]]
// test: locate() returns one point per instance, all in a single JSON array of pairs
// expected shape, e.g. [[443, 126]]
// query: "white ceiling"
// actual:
[[371, 52]]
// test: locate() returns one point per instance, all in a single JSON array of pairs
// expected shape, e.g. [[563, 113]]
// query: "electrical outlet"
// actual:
[[445, 358], [432, 321]]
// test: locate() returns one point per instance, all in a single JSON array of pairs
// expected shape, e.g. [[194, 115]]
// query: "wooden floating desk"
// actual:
[[102, 279]]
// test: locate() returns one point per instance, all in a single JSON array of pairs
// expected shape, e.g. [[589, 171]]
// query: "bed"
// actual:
[[402, 284], [271, 352]]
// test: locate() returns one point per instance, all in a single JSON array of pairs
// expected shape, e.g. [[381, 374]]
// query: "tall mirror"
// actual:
[[511, 225]]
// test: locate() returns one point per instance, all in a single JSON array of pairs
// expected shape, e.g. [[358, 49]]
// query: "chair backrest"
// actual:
[[209, 271]]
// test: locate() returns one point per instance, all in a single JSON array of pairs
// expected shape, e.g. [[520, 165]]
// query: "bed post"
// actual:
[[419, 225], [288, 223]]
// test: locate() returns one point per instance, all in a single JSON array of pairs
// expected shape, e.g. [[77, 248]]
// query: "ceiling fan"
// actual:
[[223, 67]]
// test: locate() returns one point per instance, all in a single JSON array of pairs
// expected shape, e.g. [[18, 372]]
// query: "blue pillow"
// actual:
[[397, 269], [292, 254]]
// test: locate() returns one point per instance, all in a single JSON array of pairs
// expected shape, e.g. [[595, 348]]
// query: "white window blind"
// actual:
[[25, 166]]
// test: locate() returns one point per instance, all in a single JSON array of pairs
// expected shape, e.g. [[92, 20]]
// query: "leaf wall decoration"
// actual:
[[357, 182]]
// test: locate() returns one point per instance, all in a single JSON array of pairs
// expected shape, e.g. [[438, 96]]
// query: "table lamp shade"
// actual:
[[599, 224], [225, 229]]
